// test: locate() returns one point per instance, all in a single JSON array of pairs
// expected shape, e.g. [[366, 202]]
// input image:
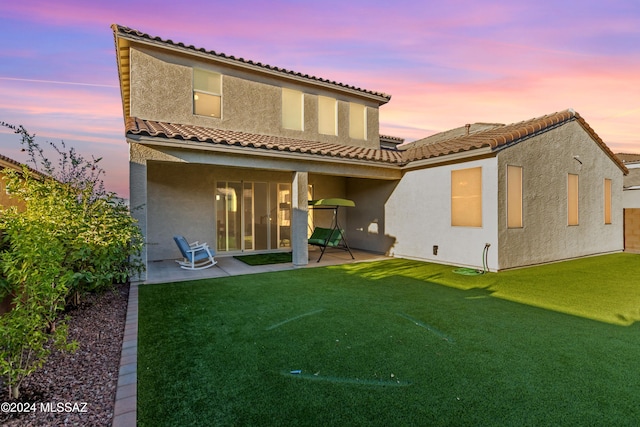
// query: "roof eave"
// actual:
[[256, 152], [583, 123], [122, 62], [461, 156]]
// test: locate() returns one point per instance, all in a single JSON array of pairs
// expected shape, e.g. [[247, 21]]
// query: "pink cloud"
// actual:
[[444, 63]]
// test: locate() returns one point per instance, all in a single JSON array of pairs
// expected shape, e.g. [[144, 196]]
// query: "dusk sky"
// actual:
[[444, 63]]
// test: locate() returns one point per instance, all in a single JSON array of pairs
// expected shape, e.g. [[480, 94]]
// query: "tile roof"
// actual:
[[633, 179], [126, 31], [451, 134], [136, 126], [6, 162], [628, 157], [12, 163], [501, 136], [495, 138]]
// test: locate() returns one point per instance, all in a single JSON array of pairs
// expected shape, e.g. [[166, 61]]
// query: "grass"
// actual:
[[395, 343], [264, 259]]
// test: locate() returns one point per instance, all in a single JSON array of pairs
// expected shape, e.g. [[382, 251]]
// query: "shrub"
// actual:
[[72, 237]]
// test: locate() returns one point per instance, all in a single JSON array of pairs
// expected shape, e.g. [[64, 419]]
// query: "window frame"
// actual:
[[287, 109], [207, 92], [516, 209], [332, 117], [573, 199], [354, 118], [608, 201], [462, 204]]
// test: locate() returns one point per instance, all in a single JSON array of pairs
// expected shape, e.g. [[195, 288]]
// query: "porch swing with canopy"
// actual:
[[333, 237]]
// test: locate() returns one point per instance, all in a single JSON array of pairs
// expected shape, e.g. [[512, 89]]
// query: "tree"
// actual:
[[72, 237]]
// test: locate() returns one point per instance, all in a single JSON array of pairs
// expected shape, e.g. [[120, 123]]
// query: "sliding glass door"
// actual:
[[252, 216], [229, 216]]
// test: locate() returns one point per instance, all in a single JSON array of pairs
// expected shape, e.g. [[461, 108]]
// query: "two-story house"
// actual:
[[230, 151]]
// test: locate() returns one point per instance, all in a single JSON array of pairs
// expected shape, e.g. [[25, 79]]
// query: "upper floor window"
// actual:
[[292, 109], [466, 197], [607, 201], [327, 116], [572, 199], [207, 93], [357, 121]]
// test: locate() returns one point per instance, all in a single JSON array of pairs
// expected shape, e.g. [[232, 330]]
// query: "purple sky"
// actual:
[[445, 63]]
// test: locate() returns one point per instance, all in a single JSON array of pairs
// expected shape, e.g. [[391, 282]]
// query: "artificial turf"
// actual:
[[265, 259], [395, 342]]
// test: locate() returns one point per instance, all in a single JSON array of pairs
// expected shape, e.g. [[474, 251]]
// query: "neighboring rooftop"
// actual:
[[451, 134], [390, 142], [632, 161], [628, 158], [6, 162]]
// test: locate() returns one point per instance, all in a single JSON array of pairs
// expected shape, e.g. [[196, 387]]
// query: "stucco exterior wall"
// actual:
[[325, 187], [161, 89], [5, 199], [367, 226], [181, 200], [631, 199], [547, 159], [418, 217]]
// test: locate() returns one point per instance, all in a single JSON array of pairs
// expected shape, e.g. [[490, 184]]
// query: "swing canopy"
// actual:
[[333, 237], [332, 202]]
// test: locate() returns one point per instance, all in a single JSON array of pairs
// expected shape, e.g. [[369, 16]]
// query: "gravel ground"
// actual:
[[81, 386]]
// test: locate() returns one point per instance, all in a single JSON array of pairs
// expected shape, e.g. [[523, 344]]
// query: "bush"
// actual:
[[72, 237]]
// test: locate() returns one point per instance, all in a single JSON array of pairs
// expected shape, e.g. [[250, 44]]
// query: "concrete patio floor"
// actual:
[[167, 271]]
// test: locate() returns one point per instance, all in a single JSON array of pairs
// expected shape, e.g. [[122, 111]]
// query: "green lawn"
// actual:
[[265, 259], [395, 343]]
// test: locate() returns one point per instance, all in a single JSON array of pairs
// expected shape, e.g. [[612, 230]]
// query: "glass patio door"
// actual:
[[229, 216], [284, 216], [252, 216]]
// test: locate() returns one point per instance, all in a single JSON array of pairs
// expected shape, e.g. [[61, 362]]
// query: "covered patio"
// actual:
[[167, 271]]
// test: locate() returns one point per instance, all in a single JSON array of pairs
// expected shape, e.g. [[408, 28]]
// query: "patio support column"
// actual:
[[138, 197], [299, 218]]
